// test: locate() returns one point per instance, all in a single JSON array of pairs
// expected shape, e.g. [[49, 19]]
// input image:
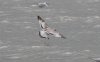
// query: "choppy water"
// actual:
[[78, 20]]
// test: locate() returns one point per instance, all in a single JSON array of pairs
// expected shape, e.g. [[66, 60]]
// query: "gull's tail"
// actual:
[[63, 37]]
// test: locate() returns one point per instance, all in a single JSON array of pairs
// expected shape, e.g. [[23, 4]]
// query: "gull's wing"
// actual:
[[42, 23], [55, 33], [43, 34]]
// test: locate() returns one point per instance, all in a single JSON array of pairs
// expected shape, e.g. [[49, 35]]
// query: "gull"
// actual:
[[46, 30], [40, 5], [44, 4]]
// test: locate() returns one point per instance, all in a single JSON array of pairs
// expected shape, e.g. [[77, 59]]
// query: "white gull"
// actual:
[[46, 30]]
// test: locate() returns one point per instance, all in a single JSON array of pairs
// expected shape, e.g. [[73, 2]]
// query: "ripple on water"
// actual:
[[67, 18], [13, 56], [28, 27], [68, 53], [1, 11], [27, 22], [39, 46], [2, 47], [4, 21], [34, 5], [92, 19], [97, 26]]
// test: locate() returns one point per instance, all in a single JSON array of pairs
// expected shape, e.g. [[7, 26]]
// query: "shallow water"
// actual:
[[78, 20]]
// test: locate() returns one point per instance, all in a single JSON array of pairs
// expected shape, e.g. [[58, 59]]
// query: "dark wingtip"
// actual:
[[63, 37], [39, 18]]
